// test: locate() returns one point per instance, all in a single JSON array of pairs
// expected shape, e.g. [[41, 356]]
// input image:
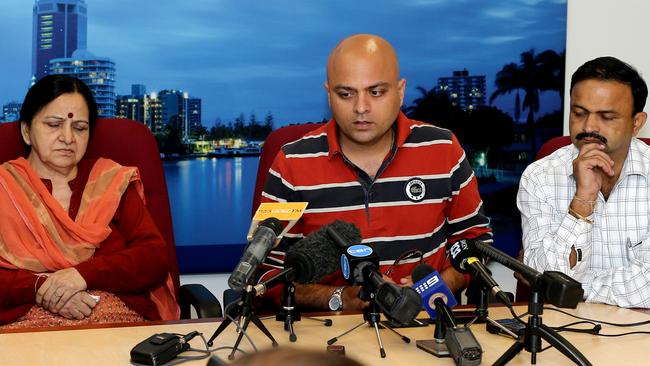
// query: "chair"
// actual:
[[131, 143], [523, 290], [272, 145], [274, 141]]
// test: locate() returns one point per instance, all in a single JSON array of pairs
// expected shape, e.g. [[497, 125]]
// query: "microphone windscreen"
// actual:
[[421, 271], [346, 231], [313, 257]]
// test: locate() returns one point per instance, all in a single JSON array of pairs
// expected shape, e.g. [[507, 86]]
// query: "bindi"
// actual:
[[70, 115]]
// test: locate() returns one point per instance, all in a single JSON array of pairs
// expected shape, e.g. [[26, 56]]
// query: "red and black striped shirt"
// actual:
[[424, 195]]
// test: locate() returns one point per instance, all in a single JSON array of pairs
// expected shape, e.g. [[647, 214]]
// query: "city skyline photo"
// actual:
[[252, 57], [259, 57]]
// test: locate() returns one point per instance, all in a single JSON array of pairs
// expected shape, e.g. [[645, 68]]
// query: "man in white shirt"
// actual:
[[586, 208]]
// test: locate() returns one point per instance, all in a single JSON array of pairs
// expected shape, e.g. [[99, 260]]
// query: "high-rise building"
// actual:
[[180, 110], [139, 107], [11, 111], [97, 72], [128, 106], [465, 91], [59, 29], [155, 113], [138, 90], [194, 115], [171, 101]]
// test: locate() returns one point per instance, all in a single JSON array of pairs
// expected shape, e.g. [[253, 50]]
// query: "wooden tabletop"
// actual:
[[111, 345]]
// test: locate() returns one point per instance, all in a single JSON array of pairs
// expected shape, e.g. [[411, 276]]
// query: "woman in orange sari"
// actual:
[[77, 244]]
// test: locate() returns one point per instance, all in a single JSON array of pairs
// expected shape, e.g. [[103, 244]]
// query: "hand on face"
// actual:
[[588, 169], [79, 306], [59, 287]]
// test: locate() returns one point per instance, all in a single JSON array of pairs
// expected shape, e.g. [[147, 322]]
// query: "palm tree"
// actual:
[[534, 74], [434, 106], [509, 79]]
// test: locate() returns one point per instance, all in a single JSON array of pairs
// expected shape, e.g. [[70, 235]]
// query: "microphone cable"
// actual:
[[597, 325], [636, 324], [595, 330]]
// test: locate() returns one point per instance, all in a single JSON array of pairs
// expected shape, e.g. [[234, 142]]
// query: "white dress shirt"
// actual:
[[614, 252]]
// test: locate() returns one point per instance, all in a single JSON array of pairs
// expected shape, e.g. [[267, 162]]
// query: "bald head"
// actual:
[[364, 91], [366, 48]]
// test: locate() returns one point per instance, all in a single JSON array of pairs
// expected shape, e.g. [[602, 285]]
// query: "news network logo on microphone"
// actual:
[[359, 250], [432, 287], [458, 247]]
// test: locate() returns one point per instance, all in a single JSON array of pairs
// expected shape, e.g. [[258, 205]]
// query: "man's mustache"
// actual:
[[593, 135]]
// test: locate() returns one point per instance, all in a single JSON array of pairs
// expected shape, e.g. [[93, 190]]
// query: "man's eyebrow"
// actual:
[[344, 87], [599, 111], [379, 84]]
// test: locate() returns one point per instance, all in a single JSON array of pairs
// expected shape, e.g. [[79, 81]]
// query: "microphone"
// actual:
[[307, 261], [464, 260], [461, 343], [264, 238], [359, 264], [428, 284], [449, 339], [555, 287]]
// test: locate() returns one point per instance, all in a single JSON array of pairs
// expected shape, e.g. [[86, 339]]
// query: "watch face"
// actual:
[[335, 303]]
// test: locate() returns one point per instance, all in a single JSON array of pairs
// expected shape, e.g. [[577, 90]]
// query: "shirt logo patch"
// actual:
[[415, 189]]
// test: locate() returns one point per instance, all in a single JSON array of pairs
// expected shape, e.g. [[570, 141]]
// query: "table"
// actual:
[[111, 345]]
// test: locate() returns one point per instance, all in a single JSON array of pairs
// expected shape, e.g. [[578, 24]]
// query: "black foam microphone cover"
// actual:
[[348, 233], [313, 257]]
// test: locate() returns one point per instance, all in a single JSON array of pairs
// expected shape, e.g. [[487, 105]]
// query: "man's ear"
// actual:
[[329, 95], [639, 121], [401, 86]]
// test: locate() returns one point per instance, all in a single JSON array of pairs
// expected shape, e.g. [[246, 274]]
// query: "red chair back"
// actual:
[[551, 145], [272, 145], [128, 143]]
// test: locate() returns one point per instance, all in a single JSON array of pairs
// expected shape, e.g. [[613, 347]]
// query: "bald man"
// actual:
[[406, 184]]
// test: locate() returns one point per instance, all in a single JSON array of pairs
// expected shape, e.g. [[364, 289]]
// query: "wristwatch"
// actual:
[[336, 301]]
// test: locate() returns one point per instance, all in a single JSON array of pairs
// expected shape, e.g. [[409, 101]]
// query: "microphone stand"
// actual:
[[482, 314], [243, 310], [371, 317], [289, 313], [437, 346], [536, 331]]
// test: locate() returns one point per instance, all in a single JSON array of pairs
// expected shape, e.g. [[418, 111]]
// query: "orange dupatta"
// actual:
[[37, 234]]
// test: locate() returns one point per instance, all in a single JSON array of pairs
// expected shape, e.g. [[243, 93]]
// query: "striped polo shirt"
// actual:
[[424, 195]]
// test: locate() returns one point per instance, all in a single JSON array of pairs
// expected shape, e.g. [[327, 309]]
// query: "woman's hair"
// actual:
[[51, 87], [294, 357]]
